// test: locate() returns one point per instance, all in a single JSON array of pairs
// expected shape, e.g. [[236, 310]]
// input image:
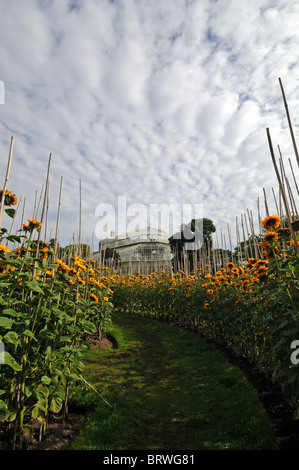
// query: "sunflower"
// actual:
[[261, 273], [230, 265], [10, 199], [235, 270], [94, 297], [271, 222], [4, 248], [33, 224], [271, 236]]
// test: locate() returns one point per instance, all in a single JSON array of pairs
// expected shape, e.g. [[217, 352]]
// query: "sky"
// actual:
[[147, 103]]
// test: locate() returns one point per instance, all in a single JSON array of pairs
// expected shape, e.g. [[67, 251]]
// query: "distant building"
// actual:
[[144, 251]]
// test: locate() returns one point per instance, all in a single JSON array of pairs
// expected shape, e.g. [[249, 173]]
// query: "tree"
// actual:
[[111, 256], [202, 227]]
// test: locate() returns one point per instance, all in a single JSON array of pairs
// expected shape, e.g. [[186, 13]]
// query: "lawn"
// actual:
[[169, 390]]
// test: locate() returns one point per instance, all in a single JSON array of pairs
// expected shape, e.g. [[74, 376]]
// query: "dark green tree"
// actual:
[[204, 227]]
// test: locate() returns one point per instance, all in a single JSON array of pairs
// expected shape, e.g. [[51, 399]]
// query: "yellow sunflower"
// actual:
[[271, 222]]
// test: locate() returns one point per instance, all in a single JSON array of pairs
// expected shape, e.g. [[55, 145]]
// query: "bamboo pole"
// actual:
[[244, 238], [259, 216], [230, 242], [6, 180], [289, 121], [15, 216], [275, 201], [57, 220], [266, 204], [23, 217], [80, 218], [282, 192], [47, 213], [294, 176], [239, 254], [248, 237], [44, 203], [36, 207]]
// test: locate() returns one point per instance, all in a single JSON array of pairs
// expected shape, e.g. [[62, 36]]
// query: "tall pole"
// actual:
[[289, 121]]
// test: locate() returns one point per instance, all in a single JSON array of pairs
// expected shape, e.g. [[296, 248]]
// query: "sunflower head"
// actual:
[[230, 265], [94, 297], [271, 236], [272, 222], [32, 224], [10, 199], [4, 248]]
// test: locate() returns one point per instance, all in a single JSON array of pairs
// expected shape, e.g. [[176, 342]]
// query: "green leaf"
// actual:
[[56, 404], [46, 380], [12, 337], [14, 238], [29, 334], [38, 412], [6, 323], [65, 339], [34, 286], [89, 326], [4, 284], [11, 362], [11, 312], [3, 410], [10, 212]]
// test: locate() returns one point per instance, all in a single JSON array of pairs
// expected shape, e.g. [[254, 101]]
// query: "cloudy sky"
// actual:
[[150, 101]]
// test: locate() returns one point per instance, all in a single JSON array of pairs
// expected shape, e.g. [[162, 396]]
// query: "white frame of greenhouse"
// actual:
[[144, 251]]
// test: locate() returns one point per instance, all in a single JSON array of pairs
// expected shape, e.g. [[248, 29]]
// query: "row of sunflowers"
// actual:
[[48, 308], [252, 307]]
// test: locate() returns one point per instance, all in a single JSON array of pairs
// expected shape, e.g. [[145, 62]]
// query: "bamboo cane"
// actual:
[[15, 216], [294, 176], [289, 121], [57, 220], [80, 218], [6, 180], [282, 192], [266, 203], [47, 213], [36, 206], [275, 200]]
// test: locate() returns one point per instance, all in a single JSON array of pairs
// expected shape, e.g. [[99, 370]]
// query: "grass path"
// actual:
[[170, 391]]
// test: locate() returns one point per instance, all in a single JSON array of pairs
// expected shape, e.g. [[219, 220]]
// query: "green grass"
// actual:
[[170, 391]]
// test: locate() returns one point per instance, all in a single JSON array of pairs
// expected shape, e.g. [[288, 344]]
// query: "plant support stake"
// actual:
[[6, 180], [289, 121], [282, 192]]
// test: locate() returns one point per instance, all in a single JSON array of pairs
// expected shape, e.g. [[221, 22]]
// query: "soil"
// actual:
[[280, 413]]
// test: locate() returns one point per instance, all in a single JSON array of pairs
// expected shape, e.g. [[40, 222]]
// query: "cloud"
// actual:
[[161, 102]]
